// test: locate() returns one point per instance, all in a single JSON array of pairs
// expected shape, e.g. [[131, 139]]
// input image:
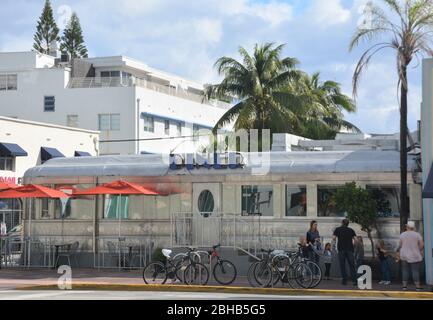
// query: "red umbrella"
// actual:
[[117, 188], [5, 186], [32, 191]]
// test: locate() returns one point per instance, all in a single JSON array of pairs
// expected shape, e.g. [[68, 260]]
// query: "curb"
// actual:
[[241, 290]]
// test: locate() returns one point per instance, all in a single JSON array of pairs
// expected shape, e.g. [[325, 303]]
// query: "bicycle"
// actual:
[[223, 269], [182, 267]]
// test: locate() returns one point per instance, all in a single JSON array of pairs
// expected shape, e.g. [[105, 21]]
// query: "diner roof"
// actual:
[[154, 165]]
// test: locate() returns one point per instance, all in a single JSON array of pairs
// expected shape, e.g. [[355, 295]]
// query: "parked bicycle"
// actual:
[[223, 271], [183, 268]]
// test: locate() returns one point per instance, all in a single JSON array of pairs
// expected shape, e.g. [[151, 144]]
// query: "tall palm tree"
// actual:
[[324, 117], [407, 30], [258, 85]]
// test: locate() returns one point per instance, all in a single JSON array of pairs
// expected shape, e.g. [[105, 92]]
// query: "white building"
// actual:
[[123, 98], [25, 144]]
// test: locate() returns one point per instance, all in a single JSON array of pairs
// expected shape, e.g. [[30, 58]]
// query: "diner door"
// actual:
[[206, 214]]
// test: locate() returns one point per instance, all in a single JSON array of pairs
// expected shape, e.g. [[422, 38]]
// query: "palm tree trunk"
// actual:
[[404, 211]]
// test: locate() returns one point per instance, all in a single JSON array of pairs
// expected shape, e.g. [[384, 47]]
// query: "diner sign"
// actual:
[[208, 161], [11, 180]]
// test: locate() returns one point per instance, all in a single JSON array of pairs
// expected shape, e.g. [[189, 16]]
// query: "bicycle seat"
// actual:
[[277, 252], [167, 252]]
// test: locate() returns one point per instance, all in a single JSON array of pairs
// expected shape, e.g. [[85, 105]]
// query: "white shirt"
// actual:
[[410, 247]]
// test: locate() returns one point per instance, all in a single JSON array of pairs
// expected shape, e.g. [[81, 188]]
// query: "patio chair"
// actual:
[[71, 252]]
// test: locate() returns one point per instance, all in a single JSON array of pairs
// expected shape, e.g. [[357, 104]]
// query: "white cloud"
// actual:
[[328, 13], [210, 30], [274, 12]]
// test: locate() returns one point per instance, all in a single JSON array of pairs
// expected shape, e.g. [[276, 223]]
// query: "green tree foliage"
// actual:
[[46, 30], [406, 27], [73, 40], [360, 206]]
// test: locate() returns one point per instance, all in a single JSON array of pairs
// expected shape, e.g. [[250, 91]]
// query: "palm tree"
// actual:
[[258, 84], [407, 30], [324, 118]]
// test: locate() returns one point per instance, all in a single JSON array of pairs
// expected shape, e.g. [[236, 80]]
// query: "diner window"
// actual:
[[325, 203], [296, 201], [7, 163], [149, 124], [109, 122], [257, 200], [72, 120], [167, 127], [8, 82], [116, 207], [49, 103], [179, 129], [108, 74], [387, 199], [45, 208]]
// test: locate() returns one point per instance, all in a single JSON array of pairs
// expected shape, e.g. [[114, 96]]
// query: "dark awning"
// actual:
[[50, 153], [82, 154], [12, 150], [428, 186]]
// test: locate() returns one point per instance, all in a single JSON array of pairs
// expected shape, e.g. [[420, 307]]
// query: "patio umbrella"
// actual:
[[117, 188], [5, 186]]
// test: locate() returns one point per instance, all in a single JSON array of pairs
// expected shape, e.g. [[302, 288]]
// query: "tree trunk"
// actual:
[[404, 210]]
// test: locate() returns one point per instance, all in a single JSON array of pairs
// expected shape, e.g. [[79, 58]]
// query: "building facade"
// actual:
[[25, 144], [136, 108]]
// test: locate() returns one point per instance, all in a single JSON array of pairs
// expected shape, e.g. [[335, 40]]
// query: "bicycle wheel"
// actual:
[[302, 275], [180, 266], [155, 273], [224, 272], [263, 274], [196, 274], [316, 273], [280, 269], [250, 275]]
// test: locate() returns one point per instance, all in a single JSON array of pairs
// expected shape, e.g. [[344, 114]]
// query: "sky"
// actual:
[[187, 37]]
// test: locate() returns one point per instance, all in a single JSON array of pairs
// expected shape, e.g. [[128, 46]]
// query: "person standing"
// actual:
[[385, 266], [327, 260], [345, 237], [411, 255], [313, 240]]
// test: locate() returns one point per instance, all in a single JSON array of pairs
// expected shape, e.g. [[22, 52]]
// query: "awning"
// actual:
[[50, 153], [12, 150], [428, 186], [82, 154]]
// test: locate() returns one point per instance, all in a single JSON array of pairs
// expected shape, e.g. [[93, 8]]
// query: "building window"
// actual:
[[206, 203], [7, 163], [8, 82], [257, 200], [149, 124], [325, 203], [195, 132], [72, 120], [116, 207], [109, 122], [108, 74], [387, 199], [45, 208], [167, 127], [296, 201], [179, 129], [49, 103]]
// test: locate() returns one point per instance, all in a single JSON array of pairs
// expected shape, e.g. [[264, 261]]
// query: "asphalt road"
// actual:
[[137, 295]]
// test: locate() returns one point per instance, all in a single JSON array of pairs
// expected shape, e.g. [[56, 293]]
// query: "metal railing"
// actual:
[[113, 82]]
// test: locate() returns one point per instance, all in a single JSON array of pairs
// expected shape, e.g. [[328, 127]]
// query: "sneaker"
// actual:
[[387, 283], [404, 288], [381, 282]]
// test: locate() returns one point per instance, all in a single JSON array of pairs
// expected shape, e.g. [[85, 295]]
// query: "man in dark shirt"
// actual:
[[345, 237]]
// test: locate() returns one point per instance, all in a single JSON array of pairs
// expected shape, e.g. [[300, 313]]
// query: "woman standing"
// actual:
[[411, 249], [385, 266], [313, 240]]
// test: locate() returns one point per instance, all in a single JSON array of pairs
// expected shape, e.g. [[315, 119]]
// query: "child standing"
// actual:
[[327, 259], [384, 263]]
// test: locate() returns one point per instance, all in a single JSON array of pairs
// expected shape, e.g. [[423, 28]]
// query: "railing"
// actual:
[[113, 82]]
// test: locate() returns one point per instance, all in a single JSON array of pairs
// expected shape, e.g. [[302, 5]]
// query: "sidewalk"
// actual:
[[21, 278]]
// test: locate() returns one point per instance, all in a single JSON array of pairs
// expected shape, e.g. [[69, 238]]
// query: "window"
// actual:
[[149, 125], [7, 163], [109, 122], [8, 82], [179, 129], [206, 203], [325, 203], [45, 208], [296, 201], [195, 132], [49, 103], [388, 200], [257, 200], [112, 74], [72, 120], [116, 207], [167, 127]]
